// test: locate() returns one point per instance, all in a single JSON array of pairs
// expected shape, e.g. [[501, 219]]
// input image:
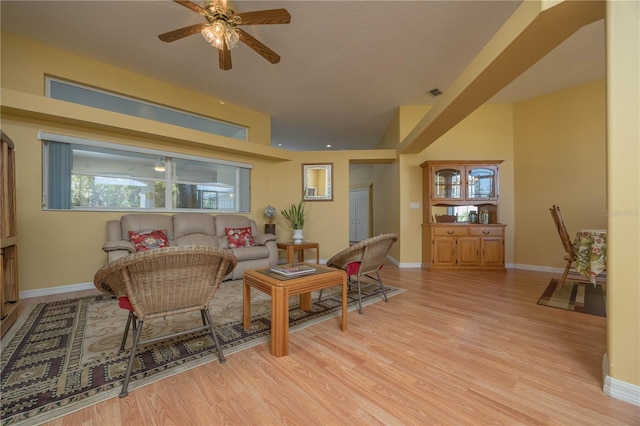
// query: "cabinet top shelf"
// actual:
[[456, 162]]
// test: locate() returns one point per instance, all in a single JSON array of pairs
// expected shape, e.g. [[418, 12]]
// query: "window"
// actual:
[[79, 174], [89, 96]]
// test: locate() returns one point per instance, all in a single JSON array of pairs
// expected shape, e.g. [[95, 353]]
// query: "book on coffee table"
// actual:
[[293, 269]]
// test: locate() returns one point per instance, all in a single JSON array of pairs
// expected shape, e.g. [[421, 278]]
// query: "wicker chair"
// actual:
[[364, 259], [570, 255], [165, 282]]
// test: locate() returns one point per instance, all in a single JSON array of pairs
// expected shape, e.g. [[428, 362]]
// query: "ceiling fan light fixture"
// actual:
[[232, 37], [208, 34], [218, 28], [220, 31]]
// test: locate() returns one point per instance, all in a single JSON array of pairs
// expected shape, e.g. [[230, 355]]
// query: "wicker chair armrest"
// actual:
[[346, 256]]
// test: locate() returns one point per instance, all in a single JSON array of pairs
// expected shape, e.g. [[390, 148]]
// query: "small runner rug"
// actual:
[[64, 356], [575, 296]]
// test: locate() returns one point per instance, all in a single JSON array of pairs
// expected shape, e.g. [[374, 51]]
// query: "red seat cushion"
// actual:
[[354, 267], [125, 303]]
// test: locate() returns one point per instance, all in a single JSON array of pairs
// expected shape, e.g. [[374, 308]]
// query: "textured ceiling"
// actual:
[[346, 65]]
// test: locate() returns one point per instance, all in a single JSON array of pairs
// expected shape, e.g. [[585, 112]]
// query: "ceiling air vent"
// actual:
[[435, 92]]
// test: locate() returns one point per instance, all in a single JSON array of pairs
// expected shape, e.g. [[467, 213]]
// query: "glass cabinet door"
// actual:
[[447, 183], [481, 183]]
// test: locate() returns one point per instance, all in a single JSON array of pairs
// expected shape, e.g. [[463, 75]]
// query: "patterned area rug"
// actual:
[[575, 296], [64, 356]]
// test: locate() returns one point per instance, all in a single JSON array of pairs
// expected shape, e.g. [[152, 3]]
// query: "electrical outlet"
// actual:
[[414, 206]]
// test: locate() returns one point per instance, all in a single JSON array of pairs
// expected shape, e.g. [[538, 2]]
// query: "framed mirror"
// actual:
[[317, 178]]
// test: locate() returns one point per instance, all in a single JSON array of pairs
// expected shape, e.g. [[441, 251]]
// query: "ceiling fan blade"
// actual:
[[272, 16], [181, 33], [191, 5], [224, 57], [256, 45]]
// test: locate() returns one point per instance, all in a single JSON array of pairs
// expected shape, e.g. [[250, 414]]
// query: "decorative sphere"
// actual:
[[270, 212]]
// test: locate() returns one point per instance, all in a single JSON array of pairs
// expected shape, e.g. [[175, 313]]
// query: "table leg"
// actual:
[[318, 254], [246, 303], [290, 251], [343, 326], [279, 321], [305, 301]]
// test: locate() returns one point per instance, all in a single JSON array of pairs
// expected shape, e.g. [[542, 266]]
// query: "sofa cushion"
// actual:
[[197, 240], [149, 240], [239, 237], [194, 229], [193, 223]]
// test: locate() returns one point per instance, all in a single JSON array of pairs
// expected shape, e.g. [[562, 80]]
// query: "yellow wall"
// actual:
[[327, 221], [25, 65], [59, 248], [623, 186], [560, 158]]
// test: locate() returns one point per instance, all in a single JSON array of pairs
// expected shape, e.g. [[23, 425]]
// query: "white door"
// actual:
[[358, 215]]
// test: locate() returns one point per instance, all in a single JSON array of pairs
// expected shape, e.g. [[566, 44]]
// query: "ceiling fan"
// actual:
[[222, 32]]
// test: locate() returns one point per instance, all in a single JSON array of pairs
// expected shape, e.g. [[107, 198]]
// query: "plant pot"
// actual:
[[297, 236]]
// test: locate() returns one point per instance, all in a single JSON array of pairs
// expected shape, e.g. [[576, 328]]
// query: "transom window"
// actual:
[[90, 175], [90, 96]]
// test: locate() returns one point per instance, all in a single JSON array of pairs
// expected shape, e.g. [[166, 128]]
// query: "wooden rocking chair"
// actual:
[[570, 255]]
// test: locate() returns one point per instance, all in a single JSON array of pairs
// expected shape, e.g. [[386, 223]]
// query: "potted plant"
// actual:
[[295, 216]]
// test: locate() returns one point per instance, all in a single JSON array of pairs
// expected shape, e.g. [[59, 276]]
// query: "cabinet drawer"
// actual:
[[484, 231], [449, 231]]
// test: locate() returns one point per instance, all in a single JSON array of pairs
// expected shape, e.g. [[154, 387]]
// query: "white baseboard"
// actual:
[[623, 391], [537, 268], [618, 389], [27, 294]]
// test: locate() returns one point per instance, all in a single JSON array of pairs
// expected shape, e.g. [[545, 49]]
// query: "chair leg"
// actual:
[[359, 298], [348, 283], [207, 316], [384, 293], [131, 318], [563, 278], [132, 357]]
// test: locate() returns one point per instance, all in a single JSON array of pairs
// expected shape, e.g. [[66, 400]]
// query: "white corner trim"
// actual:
[[623, 391], [27, 294]]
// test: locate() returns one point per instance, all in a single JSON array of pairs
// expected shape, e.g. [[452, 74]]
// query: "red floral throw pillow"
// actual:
[[149, 240], [239, 237]]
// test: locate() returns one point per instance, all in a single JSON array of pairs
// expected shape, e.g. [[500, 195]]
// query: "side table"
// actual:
[[292, 247]]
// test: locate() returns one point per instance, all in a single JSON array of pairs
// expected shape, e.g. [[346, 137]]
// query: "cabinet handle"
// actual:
[[450, 232], [486, 232]]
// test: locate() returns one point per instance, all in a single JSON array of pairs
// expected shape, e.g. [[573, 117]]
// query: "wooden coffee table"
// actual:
[[281, 288]]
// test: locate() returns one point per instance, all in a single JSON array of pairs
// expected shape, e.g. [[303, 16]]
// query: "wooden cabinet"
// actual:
[[456, 195], [8, 236], [460, 246]]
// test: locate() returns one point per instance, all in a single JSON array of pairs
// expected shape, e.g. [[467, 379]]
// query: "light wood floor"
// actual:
[[464, 348]]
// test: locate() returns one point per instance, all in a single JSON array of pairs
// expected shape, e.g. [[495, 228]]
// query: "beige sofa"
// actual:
[[186, 229]]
